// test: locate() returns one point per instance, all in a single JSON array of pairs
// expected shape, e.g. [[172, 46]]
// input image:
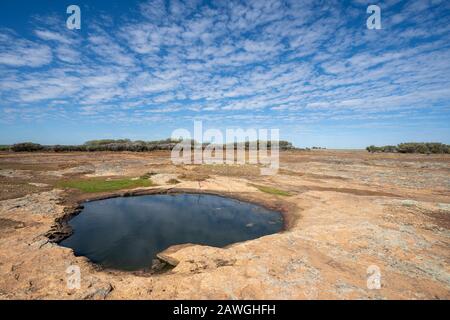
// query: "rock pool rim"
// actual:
[[61, 229]]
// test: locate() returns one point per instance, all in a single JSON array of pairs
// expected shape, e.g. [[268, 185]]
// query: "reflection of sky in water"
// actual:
[[126, 233]]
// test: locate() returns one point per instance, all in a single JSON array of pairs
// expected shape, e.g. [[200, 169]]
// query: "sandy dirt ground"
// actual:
[[347, 214]]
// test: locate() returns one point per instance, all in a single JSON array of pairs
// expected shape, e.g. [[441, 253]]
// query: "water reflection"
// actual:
[[127, 233]]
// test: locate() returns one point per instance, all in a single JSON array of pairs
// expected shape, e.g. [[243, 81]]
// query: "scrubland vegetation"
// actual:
[[122, 145], [413, 147], [169, 144], [99, 145]]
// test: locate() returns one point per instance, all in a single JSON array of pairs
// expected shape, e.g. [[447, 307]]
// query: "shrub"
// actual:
[[373, 149], [413, 147], [26, 147], [65, 148]]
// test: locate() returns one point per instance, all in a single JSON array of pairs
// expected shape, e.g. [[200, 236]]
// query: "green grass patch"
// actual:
[[102, 185], [271, 190]]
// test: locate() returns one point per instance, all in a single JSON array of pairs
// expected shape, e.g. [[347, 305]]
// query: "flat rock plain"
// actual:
[[346, 212]]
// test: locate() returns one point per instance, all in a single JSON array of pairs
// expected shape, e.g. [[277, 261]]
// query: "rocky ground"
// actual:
[[347, 213]]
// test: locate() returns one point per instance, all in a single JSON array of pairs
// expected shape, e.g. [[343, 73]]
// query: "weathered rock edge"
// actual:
[[61, 229]]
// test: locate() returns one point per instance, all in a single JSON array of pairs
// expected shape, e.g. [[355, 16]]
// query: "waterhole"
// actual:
[[126, 233]]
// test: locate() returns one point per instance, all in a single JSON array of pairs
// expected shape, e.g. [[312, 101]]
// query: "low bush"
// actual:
[[26, 147], [413, 147]]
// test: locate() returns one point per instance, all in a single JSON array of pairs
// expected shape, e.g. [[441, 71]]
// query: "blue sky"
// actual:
[[141, 69]]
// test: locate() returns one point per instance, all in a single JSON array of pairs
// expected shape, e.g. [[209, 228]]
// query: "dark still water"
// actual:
[[127, 233]]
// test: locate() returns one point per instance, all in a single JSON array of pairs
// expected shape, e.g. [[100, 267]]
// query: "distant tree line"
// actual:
[[99, 145], [121, 145], [413, 147]]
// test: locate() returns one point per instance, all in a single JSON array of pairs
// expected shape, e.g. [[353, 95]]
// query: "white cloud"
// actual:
[[18, 52], [52, 36], [287, 60]]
